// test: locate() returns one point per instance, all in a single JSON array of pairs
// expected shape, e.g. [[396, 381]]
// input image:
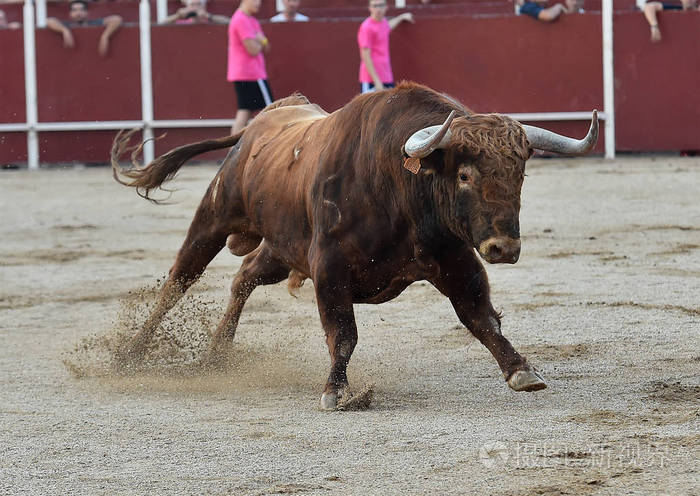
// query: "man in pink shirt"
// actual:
[[373, 41], [246, 64]]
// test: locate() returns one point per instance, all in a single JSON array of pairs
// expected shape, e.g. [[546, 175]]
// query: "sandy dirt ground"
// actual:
[[604, 301]]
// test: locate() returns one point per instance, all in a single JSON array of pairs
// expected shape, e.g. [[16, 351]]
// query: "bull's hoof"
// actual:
[[526, 380], [211, 361], [215, 358], [131, 353], [135, 349], [348, 399], [219, 353], [329, 401]]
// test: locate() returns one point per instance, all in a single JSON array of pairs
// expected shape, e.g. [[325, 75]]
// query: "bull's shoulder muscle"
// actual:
[[329, 217]]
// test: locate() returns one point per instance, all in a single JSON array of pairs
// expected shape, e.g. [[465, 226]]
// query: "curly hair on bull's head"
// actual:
[[499, 147], [492, 135]]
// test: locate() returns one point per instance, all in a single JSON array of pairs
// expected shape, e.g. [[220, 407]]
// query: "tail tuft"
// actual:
[[295, 281], [162, 169]]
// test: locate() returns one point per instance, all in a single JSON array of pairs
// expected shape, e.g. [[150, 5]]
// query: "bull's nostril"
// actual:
[[500, 250], [495, 251]]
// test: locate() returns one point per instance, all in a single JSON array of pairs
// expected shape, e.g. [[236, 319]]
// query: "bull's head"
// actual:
[[480, 159]]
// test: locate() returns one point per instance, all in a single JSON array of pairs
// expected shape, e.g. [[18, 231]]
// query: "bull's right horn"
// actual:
[[424, 141], [552, 142]]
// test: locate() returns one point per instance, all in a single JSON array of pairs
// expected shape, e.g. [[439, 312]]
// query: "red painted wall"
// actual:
[[657, 97], [492, 64], [79, 85], [13, 146], [12, 107], [316, 9]]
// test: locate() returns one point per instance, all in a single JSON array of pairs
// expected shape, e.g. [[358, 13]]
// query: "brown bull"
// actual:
[[398, 186]]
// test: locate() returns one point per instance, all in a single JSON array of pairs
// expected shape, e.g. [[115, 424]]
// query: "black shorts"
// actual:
[[667, 6], [532, 9], [253, 95], [369, 87]]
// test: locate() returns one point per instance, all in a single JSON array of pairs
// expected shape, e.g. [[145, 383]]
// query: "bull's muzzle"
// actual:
[[500, 250]]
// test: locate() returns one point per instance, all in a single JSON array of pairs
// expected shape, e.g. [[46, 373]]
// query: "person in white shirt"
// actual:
[[8, 25], [195, 12], [290, 13]]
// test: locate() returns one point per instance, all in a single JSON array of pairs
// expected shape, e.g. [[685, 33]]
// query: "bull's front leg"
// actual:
[[464, 281], [484, 324], [338, 320]]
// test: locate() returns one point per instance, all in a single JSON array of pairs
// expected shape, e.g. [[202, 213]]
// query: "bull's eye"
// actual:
[[467, 177]]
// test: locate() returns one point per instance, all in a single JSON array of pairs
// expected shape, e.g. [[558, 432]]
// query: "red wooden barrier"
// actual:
[[493, 64], [316, 9]]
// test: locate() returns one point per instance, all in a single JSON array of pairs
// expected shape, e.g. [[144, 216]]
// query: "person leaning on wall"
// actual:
[[79, 17], [289, 13], [539, 10], [8, 25], [651, 10], [195, 12]]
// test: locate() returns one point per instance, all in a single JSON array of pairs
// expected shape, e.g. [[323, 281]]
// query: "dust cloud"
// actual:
[[174, 362]]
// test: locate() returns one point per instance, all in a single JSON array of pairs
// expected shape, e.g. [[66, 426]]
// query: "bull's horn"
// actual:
[[424, 141], [552, 142]]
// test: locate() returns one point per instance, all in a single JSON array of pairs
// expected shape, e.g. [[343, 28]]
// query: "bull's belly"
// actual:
[[382, 294], [380, 289]]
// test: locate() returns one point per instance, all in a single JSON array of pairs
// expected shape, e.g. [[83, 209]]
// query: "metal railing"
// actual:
[[32, 126]]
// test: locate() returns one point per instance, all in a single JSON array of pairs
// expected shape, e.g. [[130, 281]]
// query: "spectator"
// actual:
[[246, 63], [290, 12], [538, 9], [373, 41], [8, 25], [195, 12], [651, 9], [78, 13]]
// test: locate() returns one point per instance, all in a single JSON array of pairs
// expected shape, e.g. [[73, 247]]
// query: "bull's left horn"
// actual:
[[424, 141], [552, 142]]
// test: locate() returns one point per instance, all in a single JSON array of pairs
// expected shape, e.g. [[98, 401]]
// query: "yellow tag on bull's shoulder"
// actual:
[[412, 164]]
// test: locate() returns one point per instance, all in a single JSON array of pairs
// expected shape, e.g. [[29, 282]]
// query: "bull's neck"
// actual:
[[430, 229]]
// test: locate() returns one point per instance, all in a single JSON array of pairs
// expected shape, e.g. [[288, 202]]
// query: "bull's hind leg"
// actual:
[[258, 268], [205, 238], [463, 280]]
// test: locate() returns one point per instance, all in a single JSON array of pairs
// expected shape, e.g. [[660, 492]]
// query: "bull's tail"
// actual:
[[163, 168]]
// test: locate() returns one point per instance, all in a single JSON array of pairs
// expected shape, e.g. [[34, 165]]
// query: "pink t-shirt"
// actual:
[[375, 36], [241, 65]]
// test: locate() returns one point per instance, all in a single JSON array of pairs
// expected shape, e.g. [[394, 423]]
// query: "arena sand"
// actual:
[[604, 301]]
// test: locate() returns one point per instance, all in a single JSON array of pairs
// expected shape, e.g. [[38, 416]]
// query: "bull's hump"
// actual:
[[300, 113]]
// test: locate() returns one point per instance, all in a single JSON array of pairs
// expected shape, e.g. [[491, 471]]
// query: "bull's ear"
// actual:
[[412, 164], [433, 163]]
